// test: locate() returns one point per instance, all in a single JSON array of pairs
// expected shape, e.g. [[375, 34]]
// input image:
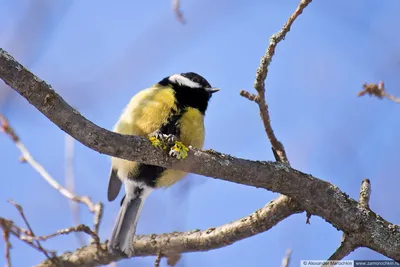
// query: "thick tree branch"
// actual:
[[351, 242], [317, 196], [212, 238]]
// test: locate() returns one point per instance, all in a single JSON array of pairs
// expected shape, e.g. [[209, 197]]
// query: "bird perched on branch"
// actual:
[[171, 114]]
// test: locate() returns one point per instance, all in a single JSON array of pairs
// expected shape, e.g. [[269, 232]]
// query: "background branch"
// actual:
[[96, 209], [31, 233], [259, 221], [70, 183], [286, 259], [259, 84], [6, 226], [377, 90], [177, 10]]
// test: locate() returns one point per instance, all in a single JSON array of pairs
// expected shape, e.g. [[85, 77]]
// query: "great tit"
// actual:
[[173, 109]]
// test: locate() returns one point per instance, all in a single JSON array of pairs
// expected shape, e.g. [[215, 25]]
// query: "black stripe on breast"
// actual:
[[148, 174]]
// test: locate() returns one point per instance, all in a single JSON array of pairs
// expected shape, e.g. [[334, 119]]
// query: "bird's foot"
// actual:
[[157, 139], [170, 139], [179, 150], [160, 140]]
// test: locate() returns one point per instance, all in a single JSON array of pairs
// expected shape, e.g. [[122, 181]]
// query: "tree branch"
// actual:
[[31, 233], [351, 242], [377, 90], [259, 84], [176, 6], [6, 227], [96, 209], [286, 259], [192, 241], [318, 197]]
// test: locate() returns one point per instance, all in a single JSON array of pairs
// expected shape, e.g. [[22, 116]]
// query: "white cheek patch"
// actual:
[[179, 79]]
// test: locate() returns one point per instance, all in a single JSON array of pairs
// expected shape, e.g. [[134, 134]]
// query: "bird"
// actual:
[[171, 112]]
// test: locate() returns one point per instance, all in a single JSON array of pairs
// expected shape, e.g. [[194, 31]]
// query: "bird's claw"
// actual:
[[160, 140], [170, 139], [157, 139], [179, 150]]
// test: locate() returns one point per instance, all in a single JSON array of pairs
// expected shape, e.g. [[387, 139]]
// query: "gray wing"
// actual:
[[114, 185]]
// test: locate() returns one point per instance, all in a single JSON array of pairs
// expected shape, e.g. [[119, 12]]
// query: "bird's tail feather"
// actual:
[[125, 225]]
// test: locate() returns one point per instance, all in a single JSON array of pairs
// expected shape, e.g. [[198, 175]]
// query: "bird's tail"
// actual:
[[125, 226]]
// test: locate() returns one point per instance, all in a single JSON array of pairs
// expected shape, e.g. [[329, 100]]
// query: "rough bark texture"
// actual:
[[316, 196], [212, 238]]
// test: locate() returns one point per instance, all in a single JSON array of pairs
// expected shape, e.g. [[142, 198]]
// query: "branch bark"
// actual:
[[212, 238], [318, 197], [351, 242]]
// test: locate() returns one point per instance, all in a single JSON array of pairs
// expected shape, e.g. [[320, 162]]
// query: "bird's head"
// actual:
[[191, 89]]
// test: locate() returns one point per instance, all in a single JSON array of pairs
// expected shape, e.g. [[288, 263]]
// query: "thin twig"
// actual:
[[250, 96], [70, 183], [96, 209], [6, 226], [378, 90], [21, 234], [259, 84], [31, 233], [158, 260], [31, 239], [365, 193], [75, 229], [286, 259], [349, 244], [176, 7]]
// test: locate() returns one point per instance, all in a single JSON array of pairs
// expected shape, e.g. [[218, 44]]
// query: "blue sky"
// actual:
[[98, 54]]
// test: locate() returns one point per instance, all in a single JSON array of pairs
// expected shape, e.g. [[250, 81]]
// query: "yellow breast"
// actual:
[[192, 133], [145, 113], [192, 128]]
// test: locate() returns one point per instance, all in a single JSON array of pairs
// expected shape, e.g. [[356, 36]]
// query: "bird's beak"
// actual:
[[212, 90]]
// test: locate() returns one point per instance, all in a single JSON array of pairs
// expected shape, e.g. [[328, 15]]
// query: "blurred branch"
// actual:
[[75, 229], [6, 226], [18, 232], [286, 259], [96, 209], [192, 241], [176, 7], [29, 237], [316, 196], [259, 84], [158, 260], [31, 233], [70, 183], [377, 90], [350, 242]]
